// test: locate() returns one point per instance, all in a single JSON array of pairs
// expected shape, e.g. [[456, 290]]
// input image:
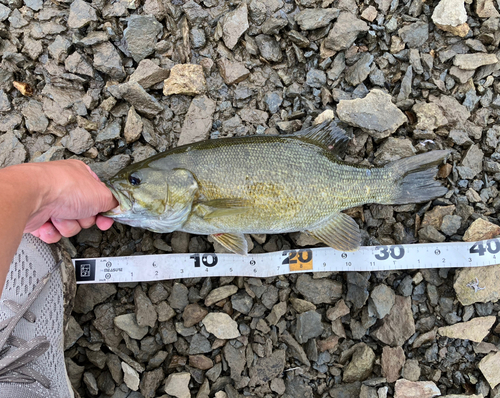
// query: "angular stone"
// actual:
[[198, 120], [128, 323], [375, 114], [108, 61], [76, 63], [144, 310], [267, 369], [486, 9], [489, 366], [219, 294], [399, 325], [339, 310], [436, 215], [451, 16], [361, 365], [232, 72], [150, 382], [147, 74], [88, 296], [393, 360], [295, 348], [344, 32], [474, 61], [319, 291], [430, 116], [254, 116], [200, 362], [33, 48], [382, 298], [234, 24], [4, 102], [308, 326], [481, 230], [415, 389], [130, 377], [78, 141], [221, 325], [133, 126], [4, 12], [11, 150], [478, 285], [193, 314], [269, 48], [81, 14], [236, 359], [112, 131], [135, 95], [177, 385], [141, 35], [475, 330], [187, 79], [72, 333], [34, 118], [315, 18]]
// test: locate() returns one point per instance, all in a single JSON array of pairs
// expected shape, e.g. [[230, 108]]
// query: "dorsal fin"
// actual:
[[329, 134]]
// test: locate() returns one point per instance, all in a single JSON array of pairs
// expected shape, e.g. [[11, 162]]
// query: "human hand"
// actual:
[[73, 196]]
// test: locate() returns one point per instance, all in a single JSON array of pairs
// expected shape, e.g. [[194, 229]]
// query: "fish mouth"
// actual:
[[124, 203]]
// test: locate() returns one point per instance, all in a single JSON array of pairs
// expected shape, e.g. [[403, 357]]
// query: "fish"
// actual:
[[267, 184]]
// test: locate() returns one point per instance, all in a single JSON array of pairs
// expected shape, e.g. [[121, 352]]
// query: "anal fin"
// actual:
[[234, 242], [340, 232]]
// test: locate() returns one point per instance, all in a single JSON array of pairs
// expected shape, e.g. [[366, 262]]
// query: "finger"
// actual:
[[67, 228], [36, 233], [92, 173], [86, 222], [104, 223], [48, 233]]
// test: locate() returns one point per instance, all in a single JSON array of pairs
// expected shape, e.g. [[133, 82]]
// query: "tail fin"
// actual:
[[415, 178]]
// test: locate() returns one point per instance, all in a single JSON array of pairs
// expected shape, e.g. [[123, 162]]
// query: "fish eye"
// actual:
[[134, 180]]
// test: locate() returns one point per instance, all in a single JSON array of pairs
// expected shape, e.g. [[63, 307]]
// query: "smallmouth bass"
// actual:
[[267, 185]]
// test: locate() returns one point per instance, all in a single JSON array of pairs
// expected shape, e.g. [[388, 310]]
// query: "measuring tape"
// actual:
[[147, 268]]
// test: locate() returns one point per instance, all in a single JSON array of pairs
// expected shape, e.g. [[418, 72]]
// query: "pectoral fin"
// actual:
[[225, 207], [234, 242], [329, 134], [340, 232]]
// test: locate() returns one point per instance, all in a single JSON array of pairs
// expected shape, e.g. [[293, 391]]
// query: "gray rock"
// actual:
[[308, 326], [474, 61], [109, 168], [76, 63], [112, 131], [178, 299], [236, 360], [34, 118], [269, 48], [316, 78], [319, 291], [375, 114], [221, 325], [144, 310], [33, 48], [133, 126], [147, 74], [4, 102], [177, 385], [346, 390], [357, 289], [242, 302], [136, 96], [295, 349], [405, 91], [338, 66], [235, 23], [430, 234], [88, 296], [150, 382], [58, 49], [254, 116], [460, 137], [81, 14], [17, 20], [399, 325], [273, 100], [415, 34], [199, 345], [6, 79], [4, 12], [451, 224], [35, 5], [198, 38], [198, 120], [473, 159], [357, 73], [54, 153], [345, 31], [108, 61], [267, 369], [141, 35], [272, 26], [382, 298], [361, 365], [91, 383], [77, 141], [232, 72], [92, 38], [64, 97], [72, 333], [10, 121], [315, 18], [128, 323]]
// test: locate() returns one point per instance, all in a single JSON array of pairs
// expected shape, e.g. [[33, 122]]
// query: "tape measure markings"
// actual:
[[148, 268]]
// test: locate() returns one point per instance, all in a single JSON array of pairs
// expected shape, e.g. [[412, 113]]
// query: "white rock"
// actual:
[[177, 385], [130, 377], [221, 325]]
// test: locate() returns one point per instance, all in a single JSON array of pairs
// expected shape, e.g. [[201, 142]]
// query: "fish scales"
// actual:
[[266, 184]]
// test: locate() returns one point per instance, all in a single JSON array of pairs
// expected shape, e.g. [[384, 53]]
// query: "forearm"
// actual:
[[21, 196]]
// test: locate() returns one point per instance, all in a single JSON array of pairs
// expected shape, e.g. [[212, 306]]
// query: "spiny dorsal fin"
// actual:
[[329, 134], [234, 242], [340, 232]]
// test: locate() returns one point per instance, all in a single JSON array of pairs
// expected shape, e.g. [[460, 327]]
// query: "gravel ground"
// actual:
[[112, 83]]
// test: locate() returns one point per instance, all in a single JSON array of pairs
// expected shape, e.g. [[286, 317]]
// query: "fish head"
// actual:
[[152, 198]]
